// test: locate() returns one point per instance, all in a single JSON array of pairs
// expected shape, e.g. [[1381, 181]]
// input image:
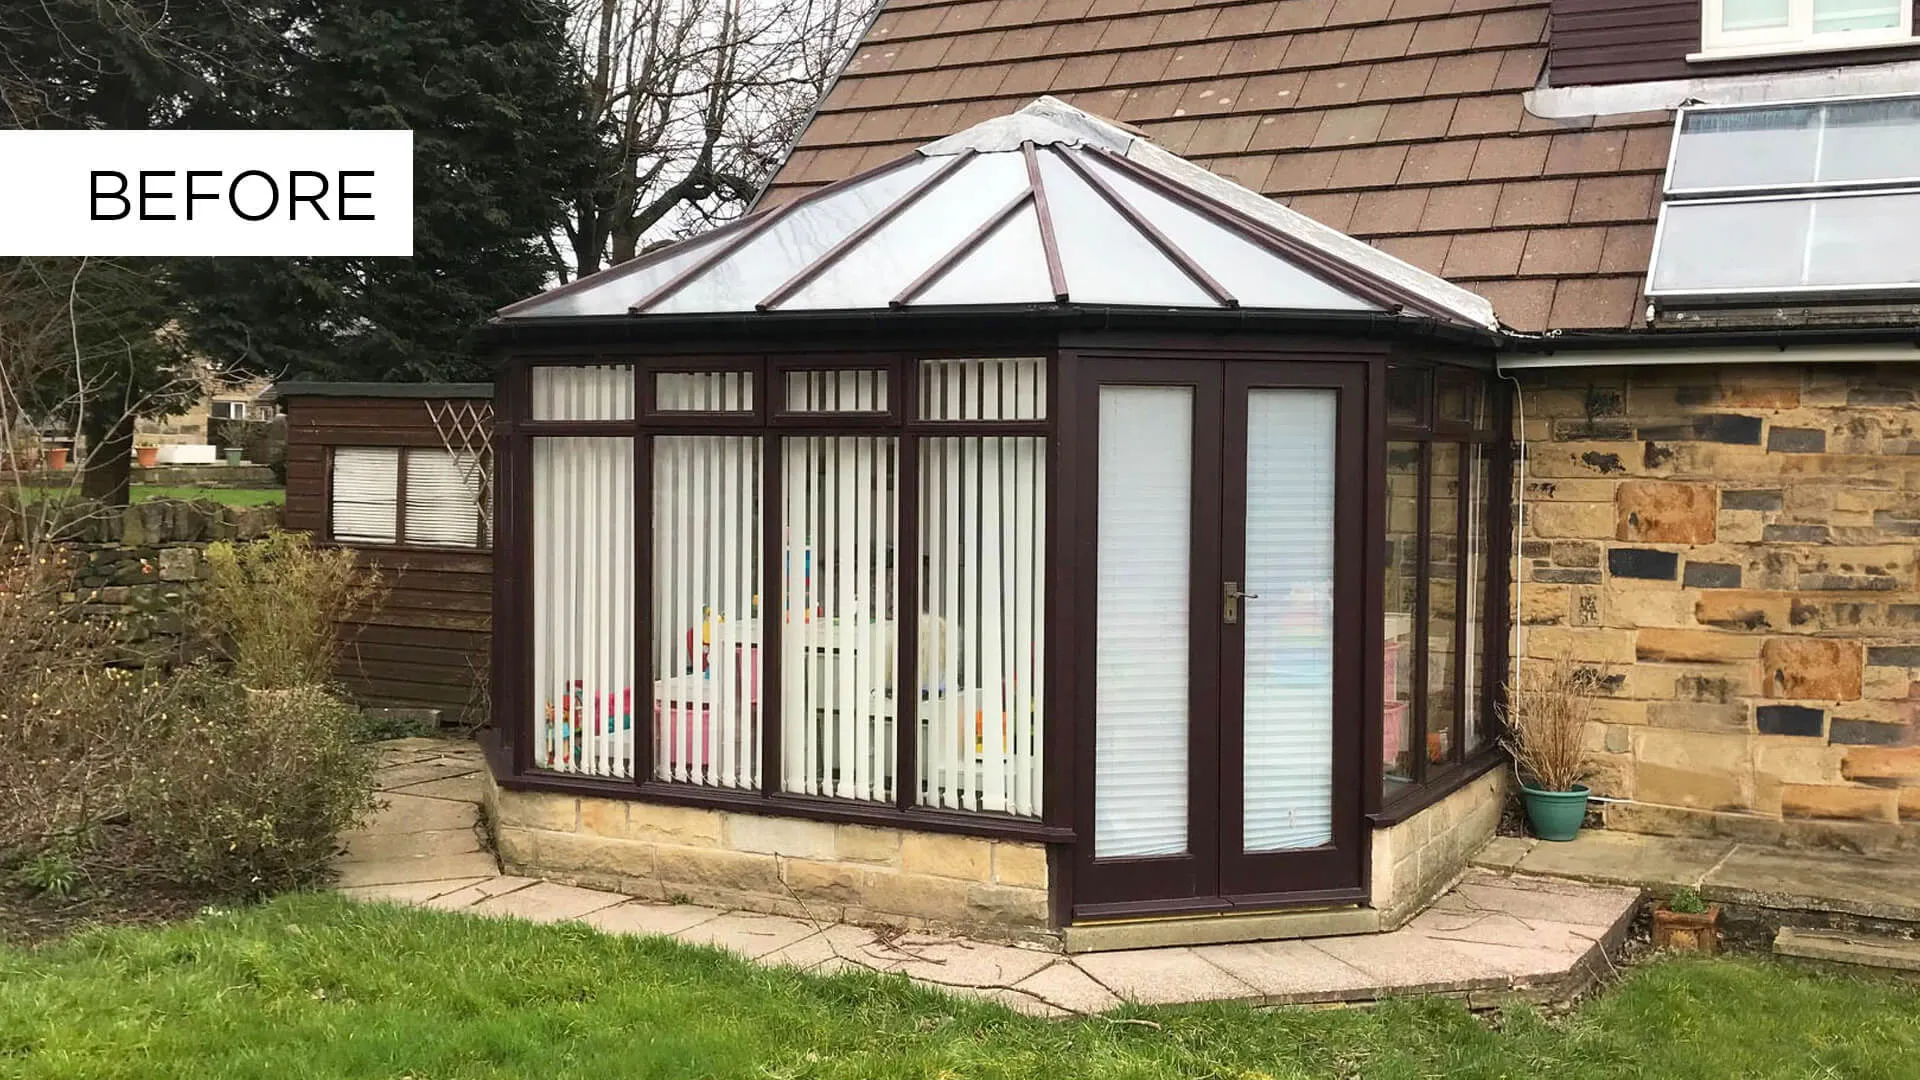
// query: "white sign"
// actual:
[[124, 193]]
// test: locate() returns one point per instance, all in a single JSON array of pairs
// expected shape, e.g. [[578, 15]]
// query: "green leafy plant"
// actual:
[[53, 871], [273, 607], [1686, 901]]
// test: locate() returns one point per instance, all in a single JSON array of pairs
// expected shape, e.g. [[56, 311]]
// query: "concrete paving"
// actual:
[[1725, 871], [1496, 934]]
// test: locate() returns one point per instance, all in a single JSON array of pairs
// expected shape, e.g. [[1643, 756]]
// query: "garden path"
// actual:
[[1491, 936]]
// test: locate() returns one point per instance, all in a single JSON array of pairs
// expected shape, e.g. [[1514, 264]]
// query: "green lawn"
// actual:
[[312, 986], [143, 492]]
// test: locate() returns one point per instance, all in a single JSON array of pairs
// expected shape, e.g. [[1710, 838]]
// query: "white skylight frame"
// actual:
[[1798, 36]]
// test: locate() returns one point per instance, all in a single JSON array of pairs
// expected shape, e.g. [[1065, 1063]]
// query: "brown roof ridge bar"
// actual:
[[1145, 228], [750, 228], [1056, 273], [1320, 264], [858, 236], [964, 248]]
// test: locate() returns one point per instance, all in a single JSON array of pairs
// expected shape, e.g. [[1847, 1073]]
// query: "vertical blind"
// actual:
[[583, 625], [1287, 743], [837, 391], [706, 610], [982, 543], [703, 391], [582, 393], [839, 520], [365, 502], [974, 389], [1141, 640]]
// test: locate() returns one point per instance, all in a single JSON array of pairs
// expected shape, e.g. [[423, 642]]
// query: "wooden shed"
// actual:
[[400, 473]]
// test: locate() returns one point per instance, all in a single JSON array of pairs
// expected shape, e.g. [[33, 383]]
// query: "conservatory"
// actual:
[[1035, 535]]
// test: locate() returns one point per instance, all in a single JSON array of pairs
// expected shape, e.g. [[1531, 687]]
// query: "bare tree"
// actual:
[[694, 101]]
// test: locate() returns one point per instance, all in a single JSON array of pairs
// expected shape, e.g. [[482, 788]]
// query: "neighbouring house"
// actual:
[[223, 400], [1040, 515], [401, 474]]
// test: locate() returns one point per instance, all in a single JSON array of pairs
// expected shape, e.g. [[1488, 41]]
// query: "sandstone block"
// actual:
[[592, 854], [860, 843], [740, 871], [797, 837], [1910, 804], [1588, 645], [1883, 764], [1839, 802], [605, 817], [539, 810], [1632, 608], [1701, 790], [691, 825], [1700, 646], [1665, 512], [1697, 716], [947, 855], [1001, 905], [1738, 609], [1544, 604], [1021, 865], [1811, 669], [1585, 520]]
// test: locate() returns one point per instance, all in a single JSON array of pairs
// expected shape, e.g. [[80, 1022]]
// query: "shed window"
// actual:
[[1784, 26], [388, 495], [1820, 198]]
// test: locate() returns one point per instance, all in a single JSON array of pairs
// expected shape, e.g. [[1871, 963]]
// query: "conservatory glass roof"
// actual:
[[1046, 206]]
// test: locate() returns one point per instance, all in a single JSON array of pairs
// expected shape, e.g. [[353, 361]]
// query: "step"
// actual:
[[1848, 947], [1219, 929]]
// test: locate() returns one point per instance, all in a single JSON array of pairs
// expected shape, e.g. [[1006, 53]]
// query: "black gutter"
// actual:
[[1781, 338]]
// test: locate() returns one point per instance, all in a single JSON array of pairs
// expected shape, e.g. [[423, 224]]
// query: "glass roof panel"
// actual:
[[886, 262], [1009, 267], [1255, 276], [616, 292], [1106, 260], [765, 262], [1871, 140], [1864, 241], [1736, 148]]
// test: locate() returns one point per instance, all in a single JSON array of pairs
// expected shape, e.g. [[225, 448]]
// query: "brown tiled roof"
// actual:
[[1398, 121]]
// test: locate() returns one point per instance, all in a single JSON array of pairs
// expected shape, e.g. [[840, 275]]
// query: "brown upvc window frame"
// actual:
[[1430, 780], [484, 539], [770, 421]]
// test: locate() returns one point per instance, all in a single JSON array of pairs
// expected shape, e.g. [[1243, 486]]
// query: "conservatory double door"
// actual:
[[1221, 503]]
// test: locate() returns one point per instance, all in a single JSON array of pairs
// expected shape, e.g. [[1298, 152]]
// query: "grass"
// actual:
[[314, 986], [228, 496]]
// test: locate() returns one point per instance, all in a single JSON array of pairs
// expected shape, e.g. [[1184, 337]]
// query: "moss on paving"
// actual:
[[315, 986]]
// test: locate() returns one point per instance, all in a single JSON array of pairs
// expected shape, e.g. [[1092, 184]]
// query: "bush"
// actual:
[[273, 607]]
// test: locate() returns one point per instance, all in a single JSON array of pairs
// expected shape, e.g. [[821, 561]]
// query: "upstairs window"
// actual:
[[1819, 200], [1744, 27]]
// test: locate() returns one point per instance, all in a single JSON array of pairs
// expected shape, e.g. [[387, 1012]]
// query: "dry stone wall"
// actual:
[[1737, 549]]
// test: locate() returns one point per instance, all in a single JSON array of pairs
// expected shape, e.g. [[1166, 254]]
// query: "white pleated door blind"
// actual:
[[443, 507], [583, 586], [839, 513], [982, 520], [1141, 676], [364, 502], [706, 609], [1287, 759]]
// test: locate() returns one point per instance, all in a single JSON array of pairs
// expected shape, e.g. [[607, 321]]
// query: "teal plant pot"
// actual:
[[1555, 815]]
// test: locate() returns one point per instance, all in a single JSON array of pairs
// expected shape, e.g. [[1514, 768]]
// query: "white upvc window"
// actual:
[[1761, 27]]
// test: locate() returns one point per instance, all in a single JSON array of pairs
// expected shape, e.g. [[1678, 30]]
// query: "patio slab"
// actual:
[[1492, 934]]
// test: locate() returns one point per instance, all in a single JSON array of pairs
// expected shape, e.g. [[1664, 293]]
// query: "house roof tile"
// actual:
[[1400, 121]]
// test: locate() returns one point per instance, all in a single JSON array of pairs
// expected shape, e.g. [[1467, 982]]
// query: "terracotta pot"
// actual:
[[147, 456], [1687, 932], [57, 458]]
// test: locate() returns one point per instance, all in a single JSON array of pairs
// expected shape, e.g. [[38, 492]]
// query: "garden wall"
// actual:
[[1737, 549]]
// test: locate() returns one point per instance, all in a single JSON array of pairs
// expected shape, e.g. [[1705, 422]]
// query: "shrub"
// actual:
[[273, 607], [1687, 901], [1547, 719]]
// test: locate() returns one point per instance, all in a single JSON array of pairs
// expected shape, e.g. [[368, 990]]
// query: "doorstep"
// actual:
[[1220, 929]]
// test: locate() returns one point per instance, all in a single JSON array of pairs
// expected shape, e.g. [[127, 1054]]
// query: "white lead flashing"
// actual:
[[1046, 122], [1575, 102], [1672, 355]]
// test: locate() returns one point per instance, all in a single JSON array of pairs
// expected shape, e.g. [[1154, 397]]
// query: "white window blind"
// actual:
[[839, 513], [1140, 651], [442, 507], [982, 521], [1288, 674], [837, 391], [703, 391], [603, 392], [583, 626], [365, 494], [984, 389], [706, 610]]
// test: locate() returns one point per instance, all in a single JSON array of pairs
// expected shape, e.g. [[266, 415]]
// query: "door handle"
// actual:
[[1230, 597]]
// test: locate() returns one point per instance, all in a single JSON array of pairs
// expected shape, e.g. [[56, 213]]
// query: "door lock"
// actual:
[[1230, 597]]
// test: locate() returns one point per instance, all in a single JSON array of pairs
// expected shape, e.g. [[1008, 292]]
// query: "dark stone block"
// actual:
[[1797, 440], [1535, 549], [1893, 655], [1868, 733], [1707, 575], [1656, 456], [1904, 614], [1879, 395], [1592, 430], [1789, 720], [1849, 582], [1712, 427], [1751, 500], [1606, 463], [1795, 534], [1895, 522], [1576, 553], [1557, 576], [1643, 563]]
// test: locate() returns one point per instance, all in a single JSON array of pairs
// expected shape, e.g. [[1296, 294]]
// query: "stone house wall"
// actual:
[[1737, 550], [815, 870]]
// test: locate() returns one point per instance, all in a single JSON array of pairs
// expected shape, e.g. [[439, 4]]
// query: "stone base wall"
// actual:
[[814, 870], [1737, 551], [1421, 857]]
